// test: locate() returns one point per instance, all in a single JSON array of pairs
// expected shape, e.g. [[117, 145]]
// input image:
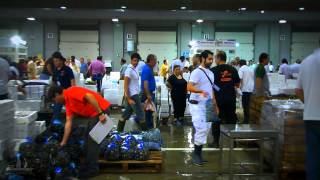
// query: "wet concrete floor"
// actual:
[[177, 149]]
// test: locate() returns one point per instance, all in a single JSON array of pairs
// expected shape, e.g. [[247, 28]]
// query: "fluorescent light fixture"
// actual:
[[243, 9], [17, 40], [115, 20], [301, 8], [199, 20], [122, 10], [262, 11], [123, 7], [237, 44], [63, 7], [282, 21], [31, 19], [183, 7]]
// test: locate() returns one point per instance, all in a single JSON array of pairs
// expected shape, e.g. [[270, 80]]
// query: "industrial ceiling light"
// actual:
[[243, 9], [199, 20], [282, 21], [123, 7], [31, 19], [262, 11], [183, 7], [115, 20], [301, 8], [63, 7]]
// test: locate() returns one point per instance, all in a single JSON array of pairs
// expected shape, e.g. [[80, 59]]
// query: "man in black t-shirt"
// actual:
[[226, 78]]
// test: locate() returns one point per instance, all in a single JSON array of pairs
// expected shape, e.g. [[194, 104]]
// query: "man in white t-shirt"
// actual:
[[201, 91], [131, 94], [246, 75], [308, 91], [180, 62]]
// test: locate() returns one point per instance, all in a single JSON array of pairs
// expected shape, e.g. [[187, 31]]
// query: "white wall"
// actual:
[[245, 40], [79, 43], [161, 43], [303, 44]]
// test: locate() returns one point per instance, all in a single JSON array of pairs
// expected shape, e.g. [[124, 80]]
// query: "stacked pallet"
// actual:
[[287, 117], [7, 124]]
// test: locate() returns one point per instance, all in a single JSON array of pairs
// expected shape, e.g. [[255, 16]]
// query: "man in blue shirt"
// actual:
[[83, 67], [148, 86]]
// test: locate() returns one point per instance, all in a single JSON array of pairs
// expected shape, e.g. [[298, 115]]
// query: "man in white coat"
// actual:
[[201, 87]]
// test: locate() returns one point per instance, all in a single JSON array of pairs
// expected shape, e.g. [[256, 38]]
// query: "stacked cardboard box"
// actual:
[[7, 123], [28, 105], [287, 117]]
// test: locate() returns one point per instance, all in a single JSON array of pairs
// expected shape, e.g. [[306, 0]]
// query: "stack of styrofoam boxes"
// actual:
[[121, 92], [290, 87], [28, 105], [35, 92], [25, 124], [111, 89], [277, 81], [165, 102], [7, 124], [40, 127]]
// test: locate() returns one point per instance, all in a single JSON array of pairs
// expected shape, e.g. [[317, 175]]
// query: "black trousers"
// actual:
[[227, 114], [179, 105], [246, 96]]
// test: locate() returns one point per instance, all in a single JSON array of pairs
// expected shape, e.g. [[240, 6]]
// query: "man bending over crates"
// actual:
[[131, 94], [87, 108]]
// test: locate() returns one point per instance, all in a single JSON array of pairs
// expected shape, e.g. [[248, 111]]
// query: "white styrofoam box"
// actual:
[[24, 130], [17, 143], [22, 117], [6, 130], [40, 127], [6, 105], [7, 115], [35, 91], [91, 87], [159, 80], [292, 83], [28, 105], [13, 91], [112, 95], [115, 75]]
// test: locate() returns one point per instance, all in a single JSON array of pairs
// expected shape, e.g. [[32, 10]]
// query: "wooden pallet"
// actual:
[[153, 165]]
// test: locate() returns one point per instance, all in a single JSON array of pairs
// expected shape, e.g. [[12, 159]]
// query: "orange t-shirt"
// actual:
[[76, 104]]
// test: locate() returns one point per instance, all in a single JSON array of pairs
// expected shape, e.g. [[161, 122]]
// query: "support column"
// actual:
[[184, 36], [285, 41], [261, 40], [117, 46], [106, 40], [33, 33], [51, 38], [130, 28]]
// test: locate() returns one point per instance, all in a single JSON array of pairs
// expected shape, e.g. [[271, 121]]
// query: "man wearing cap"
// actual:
[[87, 108]]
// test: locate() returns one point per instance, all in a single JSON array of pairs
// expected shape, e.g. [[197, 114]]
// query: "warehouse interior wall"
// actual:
[[275, 39]]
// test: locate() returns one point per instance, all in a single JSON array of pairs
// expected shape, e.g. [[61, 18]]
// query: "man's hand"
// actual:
[[102, 118], [62, 144], [217, 110], [204, 94], [131, 102]]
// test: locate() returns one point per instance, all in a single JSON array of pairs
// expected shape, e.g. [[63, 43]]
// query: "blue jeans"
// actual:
[[98, 79], [148, 114], [44, 76], [136, 108], [313, 149]]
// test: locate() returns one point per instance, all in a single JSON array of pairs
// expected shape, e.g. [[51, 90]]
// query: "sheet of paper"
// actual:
[[100, 131]]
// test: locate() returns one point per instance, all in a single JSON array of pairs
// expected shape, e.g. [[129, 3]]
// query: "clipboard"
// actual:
[[100, 130]]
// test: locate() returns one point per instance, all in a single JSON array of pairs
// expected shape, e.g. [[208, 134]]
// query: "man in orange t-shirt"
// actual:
[[86, 107]]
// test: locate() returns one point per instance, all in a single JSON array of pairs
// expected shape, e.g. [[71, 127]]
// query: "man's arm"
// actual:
[[93, 101], [300, 95], [126, 90], [146, 90], [258, 83], [215, 102], [67, 130], [73, 82], [192, 89]]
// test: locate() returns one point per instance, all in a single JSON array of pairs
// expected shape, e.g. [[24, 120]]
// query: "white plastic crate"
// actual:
[[35, 92], [22, 117], [28, 105], [24, 130], [40, 126]]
